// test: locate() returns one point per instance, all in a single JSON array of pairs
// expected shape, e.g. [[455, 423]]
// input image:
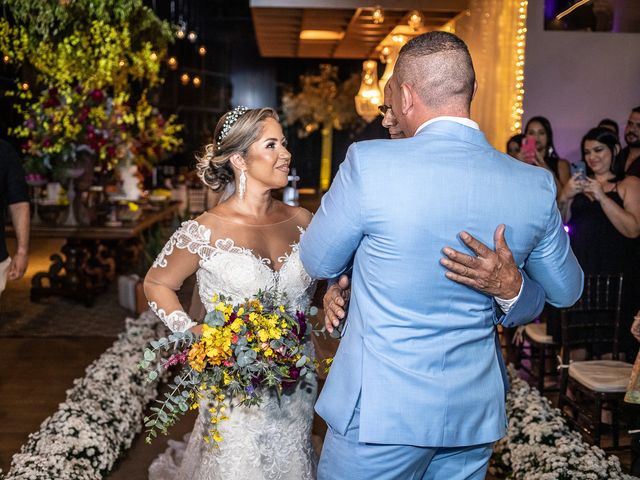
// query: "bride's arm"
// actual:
[[178, 260]]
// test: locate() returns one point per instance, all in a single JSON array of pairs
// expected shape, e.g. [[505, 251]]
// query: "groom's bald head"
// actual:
[[439, 68]]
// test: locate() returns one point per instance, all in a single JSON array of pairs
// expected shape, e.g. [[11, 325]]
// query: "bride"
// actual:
[[245, 244]]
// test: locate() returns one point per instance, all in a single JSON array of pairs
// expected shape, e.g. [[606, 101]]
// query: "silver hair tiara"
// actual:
[[232, 117]]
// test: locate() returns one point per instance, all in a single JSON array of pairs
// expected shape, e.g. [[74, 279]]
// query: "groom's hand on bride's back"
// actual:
[[494, 273], [335, 302]]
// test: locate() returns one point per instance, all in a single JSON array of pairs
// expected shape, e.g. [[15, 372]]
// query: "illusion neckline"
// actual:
[[232, 247], [224, 219]]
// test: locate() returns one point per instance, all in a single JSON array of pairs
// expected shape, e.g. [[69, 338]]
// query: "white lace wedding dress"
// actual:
[[270, 441]]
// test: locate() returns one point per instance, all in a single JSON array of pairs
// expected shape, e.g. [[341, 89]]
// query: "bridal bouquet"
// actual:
[[242, 351]]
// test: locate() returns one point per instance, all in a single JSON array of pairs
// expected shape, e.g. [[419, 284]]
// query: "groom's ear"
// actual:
[[406, 97], [475, 89]]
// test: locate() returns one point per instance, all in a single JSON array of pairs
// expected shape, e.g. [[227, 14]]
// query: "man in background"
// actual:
[[14, 194], [630, 155]]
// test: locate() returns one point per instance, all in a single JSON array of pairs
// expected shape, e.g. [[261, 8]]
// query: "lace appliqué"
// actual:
[[177, 321], [192, 236], [228, 245]]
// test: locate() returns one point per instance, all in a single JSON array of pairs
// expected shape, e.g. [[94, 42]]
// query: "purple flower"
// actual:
[[294, 373], [250, 390]]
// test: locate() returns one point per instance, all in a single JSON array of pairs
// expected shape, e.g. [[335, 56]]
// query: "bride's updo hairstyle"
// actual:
[[235, 132]]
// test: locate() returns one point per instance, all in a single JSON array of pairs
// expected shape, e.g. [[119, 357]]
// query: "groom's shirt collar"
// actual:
[[467, 122]]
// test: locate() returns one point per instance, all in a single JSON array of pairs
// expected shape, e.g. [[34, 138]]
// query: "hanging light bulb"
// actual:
[[202, 51], [388, 69], [369, 95], [181, 30], [172, 62], [122, 63], [153, 56], [384, 53], [378, 15], [196, 82], [192, 37], [184, 78], [24, 86], [6, 59], [415, 20]]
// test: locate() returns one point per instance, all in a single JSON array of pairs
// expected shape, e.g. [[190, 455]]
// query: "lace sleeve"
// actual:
[[178, 260]]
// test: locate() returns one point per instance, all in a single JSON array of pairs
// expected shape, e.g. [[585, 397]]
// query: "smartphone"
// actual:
[[528, 149], [580, 169]]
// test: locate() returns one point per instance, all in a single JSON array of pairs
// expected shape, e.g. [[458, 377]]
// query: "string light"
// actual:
[[184, 78], [196, 82], [6, 59], [153, 56], [192, 37], [378, 16], [202, 51], [172, 62], [122, 63], [180, 34], [518, 93], [24, 86]]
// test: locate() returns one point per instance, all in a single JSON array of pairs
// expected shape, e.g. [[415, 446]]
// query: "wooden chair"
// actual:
[[593, 324], [538, 347]]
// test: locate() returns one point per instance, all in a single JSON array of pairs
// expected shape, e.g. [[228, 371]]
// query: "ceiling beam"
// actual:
[[423, 5]]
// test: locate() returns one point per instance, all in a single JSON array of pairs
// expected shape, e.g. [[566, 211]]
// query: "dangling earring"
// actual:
[[242, 186]]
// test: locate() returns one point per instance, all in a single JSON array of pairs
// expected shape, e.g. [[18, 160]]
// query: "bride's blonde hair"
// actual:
[[235, 132]]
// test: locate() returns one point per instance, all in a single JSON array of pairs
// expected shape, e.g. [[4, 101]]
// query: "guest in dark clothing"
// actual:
[[15, 195], [514, 144], [611, 125], [603, 212], [630, 155], [546, 155]]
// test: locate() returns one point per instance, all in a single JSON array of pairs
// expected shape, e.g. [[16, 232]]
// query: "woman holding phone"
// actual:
[[602, 210], [538, 130]]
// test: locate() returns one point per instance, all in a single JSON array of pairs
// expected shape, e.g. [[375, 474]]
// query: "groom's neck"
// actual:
[[424, 114]]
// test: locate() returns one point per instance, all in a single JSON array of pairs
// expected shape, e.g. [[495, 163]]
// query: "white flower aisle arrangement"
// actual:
[[99, 419], [540, 444]]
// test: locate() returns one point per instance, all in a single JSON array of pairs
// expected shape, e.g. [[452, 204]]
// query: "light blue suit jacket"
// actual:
[[419, 350]]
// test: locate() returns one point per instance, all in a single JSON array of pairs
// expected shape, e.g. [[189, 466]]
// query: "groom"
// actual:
[[415, 390]]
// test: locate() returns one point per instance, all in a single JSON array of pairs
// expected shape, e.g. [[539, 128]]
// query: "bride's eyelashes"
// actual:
[[274, 143]]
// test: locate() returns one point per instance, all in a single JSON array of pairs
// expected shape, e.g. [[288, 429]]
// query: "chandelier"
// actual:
[[369, 96]]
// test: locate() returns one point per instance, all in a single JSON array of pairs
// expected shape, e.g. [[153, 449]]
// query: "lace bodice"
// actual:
[[222, 267]]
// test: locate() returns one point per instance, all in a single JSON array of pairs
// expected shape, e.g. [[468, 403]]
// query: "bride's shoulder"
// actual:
[[300, 215], [304, 217]]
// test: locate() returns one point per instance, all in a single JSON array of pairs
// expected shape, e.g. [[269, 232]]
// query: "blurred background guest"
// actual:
[[545, 155], [514, 146], [603, 213], [630, 155], [14, 194], [611, 125]]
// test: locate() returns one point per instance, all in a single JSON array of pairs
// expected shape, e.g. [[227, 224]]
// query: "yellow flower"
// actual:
[[263, 335], [197, 357], [227, 378], [236, 325]]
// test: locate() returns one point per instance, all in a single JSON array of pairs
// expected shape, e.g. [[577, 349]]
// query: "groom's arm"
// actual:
[[328, 245], [553, 265]]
